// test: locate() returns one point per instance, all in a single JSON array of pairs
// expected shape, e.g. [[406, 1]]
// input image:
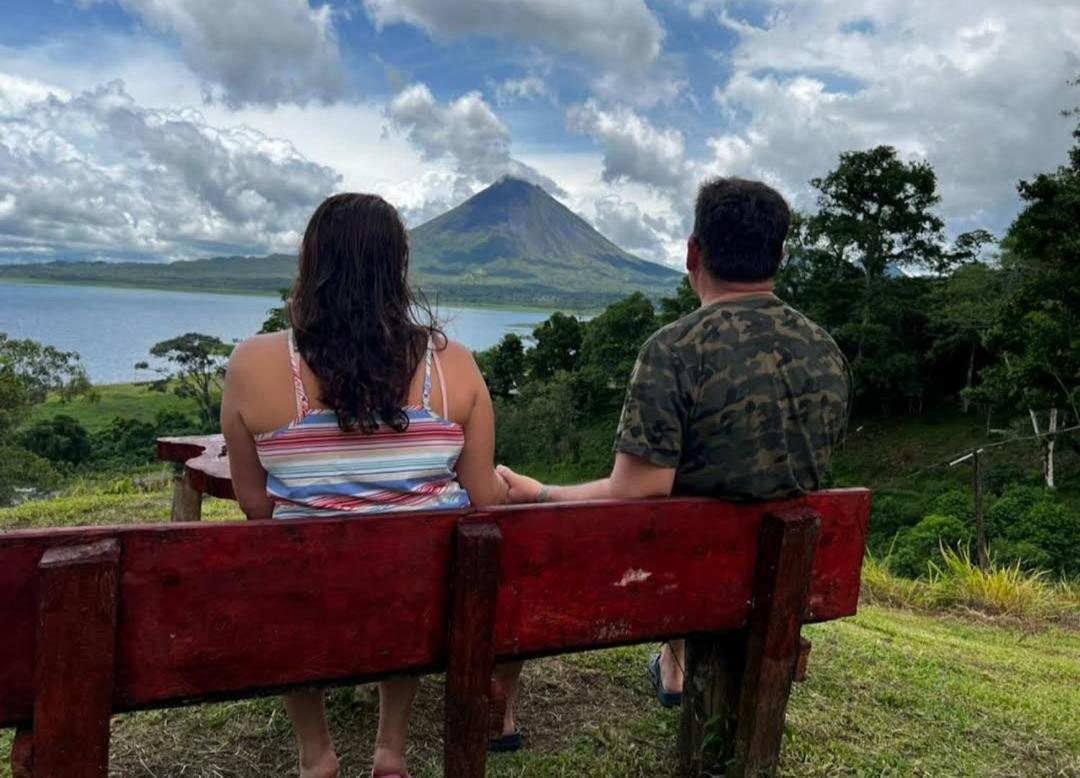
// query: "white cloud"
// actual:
[[528, 88], [634, 149], [467, 134], [620, 33], [624, 223], [973, 87], [96, 174], [257, 52]]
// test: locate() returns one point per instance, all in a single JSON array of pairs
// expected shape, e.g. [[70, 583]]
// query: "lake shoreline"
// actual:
[[452, 303]]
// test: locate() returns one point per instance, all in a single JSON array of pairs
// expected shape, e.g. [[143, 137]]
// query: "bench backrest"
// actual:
[[220, 610]]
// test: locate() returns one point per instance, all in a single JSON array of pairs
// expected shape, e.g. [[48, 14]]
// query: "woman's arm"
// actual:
[[248, 476], [476, 465]]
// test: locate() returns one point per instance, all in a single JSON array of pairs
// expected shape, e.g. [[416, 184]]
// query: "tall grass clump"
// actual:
[[1007, 590]]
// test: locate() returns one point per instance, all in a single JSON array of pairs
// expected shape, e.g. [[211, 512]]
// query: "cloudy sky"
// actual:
[[166, 129]]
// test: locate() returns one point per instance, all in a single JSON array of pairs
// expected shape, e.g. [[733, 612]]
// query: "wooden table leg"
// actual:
[[186, 502]]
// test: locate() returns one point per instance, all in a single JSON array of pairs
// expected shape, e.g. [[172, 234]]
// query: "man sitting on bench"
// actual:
[[743, 399]]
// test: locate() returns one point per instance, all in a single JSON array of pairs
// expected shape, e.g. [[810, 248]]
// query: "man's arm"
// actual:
[[631, 478]]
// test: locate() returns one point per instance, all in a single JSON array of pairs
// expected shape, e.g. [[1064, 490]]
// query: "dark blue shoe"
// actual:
[[504, 744], [667, 699]]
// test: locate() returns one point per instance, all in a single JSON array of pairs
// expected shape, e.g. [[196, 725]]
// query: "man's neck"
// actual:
[[733, 290]]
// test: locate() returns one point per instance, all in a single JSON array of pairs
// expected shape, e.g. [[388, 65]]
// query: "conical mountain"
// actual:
[[515, 243]]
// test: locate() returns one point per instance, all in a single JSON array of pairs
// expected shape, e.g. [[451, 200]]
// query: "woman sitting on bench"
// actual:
[[361, 408]]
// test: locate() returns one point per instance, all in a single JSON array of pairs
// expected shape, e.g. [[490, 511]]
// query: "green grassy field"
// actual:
[[97, 410], [890, 693]]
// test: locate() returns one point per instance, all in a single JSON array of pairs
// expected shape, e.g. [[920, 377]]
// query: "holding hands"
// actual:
[[522, 488]]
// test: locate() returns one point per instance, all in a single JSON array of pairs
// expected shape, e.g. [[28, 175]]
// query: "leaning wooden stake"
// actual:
[[472, 647], [737, 684], [74, 660]]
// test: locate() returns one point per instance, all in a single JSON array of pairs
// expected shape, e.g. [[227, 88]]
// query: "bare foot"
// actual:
[[388, 763], [326, 767]]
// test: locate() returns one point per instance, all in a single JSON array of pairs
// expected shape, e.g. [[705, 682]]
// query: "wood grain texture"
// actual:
[[472, 654], [73, 668], [710, 706], [222, 610], [186, 500], [205, 462], [588, 575], [781, 586]]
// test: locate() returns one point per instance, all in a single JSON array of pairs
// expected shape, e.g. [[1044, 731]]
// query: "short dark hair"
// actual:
[[740, 228]]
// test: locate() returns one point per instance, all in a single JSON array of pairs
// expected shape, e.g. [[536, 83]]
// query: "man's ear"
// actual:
[[693, 254]]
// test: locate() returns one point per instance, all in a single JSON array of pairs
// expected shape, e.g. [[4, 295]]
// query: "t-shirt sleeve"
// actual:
[[655, 413]]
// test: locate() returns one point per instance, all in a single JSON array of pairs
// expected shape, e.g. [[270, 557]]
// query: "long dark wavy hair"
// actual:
[[357, 321]]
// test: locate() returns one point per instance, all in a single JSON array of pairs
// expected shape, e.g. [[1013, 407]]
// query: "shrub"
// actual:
[[22, 469], [125, 442], [59, 439], [917, 546]]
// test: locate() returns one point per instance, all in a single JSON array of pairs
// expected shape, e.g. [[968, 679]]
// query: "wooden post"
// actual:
[[74, 660], [186, 502], [22, 754], [710, 705], [472, 647], [981, 554], [781, 585]]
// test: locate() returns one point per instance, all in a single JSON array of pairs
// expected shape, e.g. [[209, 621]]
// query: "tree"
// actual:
[[557, 346], [59, 439], [503, 365], [199, 363], [963, 308], [684, 301], [611, 344], [1037, 331], [42, 369], [277, 318]]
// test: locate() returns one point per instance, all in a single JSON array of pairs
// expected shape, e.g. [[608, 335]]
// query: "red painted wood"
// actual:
[[73, 667], [472, 654], [781, 585], [22, 754], [586, 575], [205, 461], [220, 610]]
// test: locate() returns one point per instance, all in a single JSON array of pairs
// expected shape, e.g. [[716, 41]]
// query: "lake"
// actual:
[[112, 329]]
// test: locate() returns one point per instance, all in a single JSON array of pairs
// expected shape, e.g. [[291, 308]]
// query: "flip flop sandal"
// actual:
[[504, 744], [666, 698]]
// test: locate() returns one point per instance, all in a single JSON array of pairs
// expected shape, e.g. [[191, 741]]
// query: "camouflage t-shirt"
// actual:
[[746, 398]]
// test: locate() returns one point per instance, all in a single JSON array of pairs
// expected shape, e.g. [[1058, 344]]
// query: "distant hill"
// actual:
[[516, 242], [511, 244]]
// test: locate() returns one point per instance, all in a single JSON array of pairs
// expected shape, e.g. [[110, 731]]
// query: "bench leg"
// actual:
[[22, 754], [781, 587], [74, 660], [186, 502], [737, 686], [472, 648]]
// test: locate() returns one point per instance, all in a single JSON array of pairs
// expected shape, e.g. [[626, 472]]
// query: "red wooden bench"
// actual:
[[103, 620]]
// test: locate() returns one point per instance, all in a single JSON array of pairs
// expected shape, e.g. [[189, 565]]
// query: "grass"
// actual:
[[133, 401], [890, 693]]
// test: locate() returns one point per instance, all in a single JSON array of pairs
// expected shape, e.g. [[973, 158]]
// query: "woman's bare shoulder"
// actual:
[[255, 351]]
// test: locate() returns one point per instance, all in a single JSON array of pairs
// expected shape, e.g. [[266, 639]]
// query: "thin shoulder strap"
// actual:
[[427, 376], [302, 404], [442, 386]]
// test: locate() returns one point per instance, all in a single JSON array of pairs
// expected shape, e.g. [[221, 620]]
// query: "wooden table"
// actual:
[[202, 467]]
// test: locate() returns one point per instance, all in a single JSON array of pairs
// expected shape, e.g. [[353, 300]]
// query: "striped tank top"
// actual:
[[315, 469]]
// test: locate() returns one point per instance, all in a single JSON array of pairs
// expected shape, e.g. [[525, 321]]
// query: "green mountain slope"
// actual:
[[511, 244], [513, 240]]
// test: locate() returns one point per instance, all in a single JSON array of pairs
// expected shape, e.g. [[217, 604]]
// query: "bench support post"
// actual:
[[74, 660], [186, 501], [472, 647], [739, 688], [22, 754]]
